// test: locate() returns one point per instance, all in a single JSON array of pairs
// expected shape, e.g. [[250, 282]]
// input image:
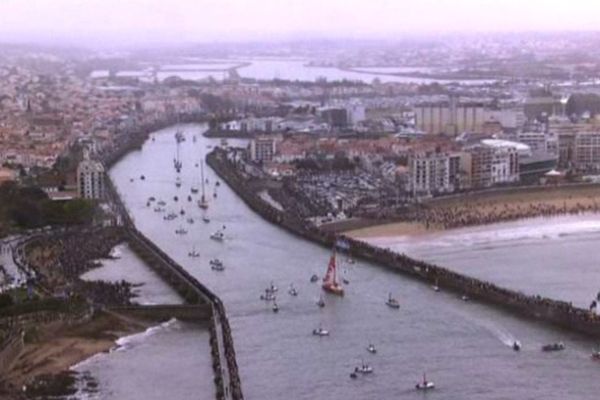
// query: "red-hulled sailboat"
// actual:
[[330, 282]]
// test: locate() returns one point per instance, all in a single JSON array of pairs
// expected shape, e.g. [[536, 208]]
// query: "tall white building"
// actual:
[[431, 173], [90, 178]]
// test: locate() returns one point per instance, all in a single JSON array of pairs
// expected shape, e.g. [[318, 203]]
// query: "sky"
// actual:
[[167, 21]]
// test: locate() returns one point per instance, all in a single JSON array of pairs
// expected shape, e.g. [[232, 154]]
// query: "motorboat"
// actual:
[[182, 212], [371, 348], [217, 183], [435, 286], [345, 281], [292, 291], [178, 182], [162, 203], [464, 297], [268, 296], [175, 198], [596, 355], [516, 346], [364, 369], [554, 347], [169, 217], [151, 198], [205, 219], [353, 375], [193, 253], [194, 190], [216, 264], [321, 302], [158, 209], [330, 282], [189, 198], [392, 302], [142, 177], [272, 288], [275, 307], [190, 220], [425, 384], [320, 332], [131, 180], [218, 236], [181, 231], [314, 278], [215, 195]]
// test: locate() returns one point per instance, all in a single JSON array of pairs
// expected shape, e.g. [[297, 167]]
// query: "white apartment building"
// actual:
[[90, 178]]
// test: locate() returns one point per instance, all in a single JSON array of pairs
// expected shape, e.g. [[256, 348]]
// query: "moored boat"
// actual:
[[371, 348], [516, 346], [218, 236], [320, 332]]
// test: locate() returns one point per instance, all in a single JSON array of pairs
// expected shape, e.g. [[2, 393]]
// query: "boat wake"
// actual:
[[127, 342]]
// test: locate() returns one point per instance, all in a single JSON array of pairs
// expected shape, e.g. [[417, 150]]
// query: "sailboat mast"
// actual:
[[202, 177]]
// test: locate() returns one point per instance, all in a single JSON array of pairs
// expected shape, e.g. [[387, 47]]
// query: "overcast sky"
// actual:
[[130, 21]]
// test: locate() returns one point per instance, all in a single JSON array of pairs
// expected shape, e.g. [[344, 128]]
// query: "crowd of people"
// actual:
[[469, 214], [558, 312], [60, 260]]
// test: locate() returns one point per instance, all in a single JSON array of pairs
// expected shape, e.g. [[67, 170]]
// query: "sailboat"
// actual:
[[330, 283], [193, 253], [425, 384], [202, 203], [176, 161]]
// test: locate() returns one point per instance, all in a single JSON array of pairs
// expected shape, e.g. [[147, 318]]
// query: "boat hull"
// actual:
[[334, 289]]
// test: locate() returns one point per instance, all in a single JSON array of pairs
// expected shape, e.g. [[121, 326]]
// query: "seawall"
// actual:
[[547, 310]]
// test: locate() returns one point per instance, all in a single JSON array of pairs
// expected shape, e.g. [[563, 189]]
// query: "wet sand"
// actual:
[[61, 346]]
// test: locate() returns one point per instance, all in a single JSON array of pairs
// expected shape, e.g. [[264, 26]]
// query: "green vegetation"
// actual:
[[30, 207]]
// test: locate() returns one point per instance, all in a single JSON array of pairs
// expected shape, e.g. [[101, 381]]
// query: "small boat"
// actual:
[[314, 278], [320, 332], [189, 198], [181, 231], [321, 302], [182, 212], [350, 260], [131, 180], [205, 219], [268, 296], [392, 302], [169, 217], [193, 253], [465, 297], [371, 348], [330, 283], [292, 291], [142, 177], [215, 195], [218, 236], [194, 190], [596, 355], [175, 198], [516, 346], [272, 288], [148, 204], [190, 220], [554, 347], [151, 198], [353, 375], [216, 265], [162, 203], [275, 307], [217, 183], [425, 384], [345, 281], [435, 287], [178, 182], [158, 209], [364, 369]]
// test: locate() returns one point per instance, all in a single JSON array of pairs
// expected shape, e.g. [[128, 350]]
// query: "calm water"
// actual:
[[150, 288], [464, 347], [554, 257], [288, 69]]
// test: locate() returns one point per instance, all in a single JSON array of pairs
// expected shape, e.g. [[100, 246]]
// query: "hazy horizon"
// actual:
[[140, 22]]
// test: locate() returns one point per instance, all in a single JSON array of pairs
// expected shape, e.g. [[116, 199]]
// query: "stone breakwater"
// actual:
[[558, 313], [226, 378]]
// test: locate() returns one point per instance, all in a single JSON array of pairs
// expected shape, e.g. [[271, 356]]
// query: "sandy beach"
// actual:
[[59, 347], [489, 204]]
